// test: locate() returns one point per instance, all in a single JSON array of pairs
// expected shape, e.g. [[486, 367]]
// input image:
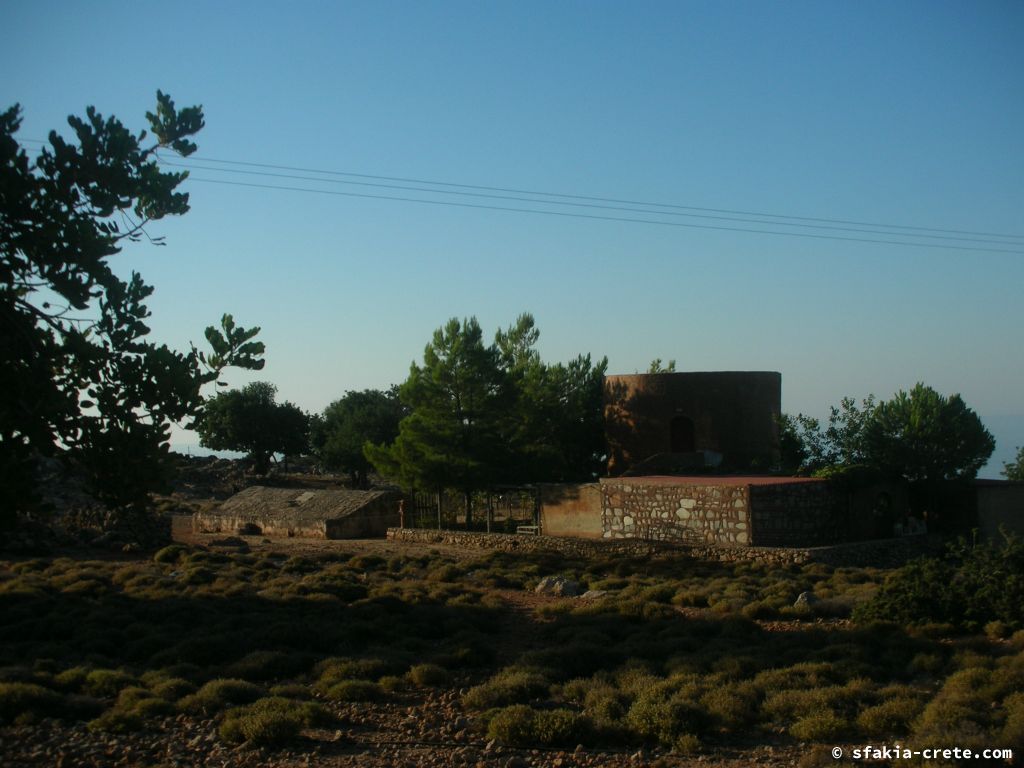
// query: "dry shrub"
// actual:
[[732, 707], [510, 686], [1013, 727], [272, 721], [333, 670], [173, 688], [663, 715], [20, 699], [355, 690], [522, 726], [429, 675], [820, 726], [890, 718], [220, 694], [106, 682], [960, 713]]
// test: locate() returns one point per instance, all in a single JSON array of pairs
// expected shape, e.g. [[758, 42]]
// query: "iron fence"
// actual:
[[502, 509]]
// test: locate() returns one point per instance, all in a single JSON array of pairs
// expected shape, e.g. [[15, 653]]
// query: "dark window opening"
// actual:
[[681, 435]]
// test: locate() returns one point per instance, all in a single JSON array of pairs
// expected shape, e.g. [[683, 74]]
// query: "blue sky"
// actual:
[[897, 113]]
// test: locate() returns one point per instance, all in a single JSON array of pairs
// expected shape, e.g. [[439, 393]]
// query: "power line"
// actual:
[[647, 211], [567, 214], [605, 199], [597, 203]]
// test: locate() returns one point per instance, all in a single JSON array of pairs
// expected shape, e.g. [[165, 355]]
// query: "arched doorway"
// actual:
[[681, 435]]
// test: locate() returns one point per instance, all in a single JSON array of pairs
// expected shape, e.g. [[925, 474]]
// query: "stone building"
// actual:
[[667, 423], [735, 510], [321, 514]]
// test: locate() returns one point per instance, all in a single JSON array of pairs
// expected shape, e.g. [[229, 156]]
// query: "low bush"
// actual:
[[81, 707], [117, 720], [134, 704], [173, 688], [970, 587], [510, 686], [392, 683], [687, 744], [820, 726], [21, 699], [259, 666], [220, 694], [1013, 725], [521, 726], [429, 675], [658, 714], [962, 708], [355, 690], [334, 670], [890, 718], [17, 674], [71, 679], [731, 707], [446, 572], [170, 554], [107, 682], [272, 721], [291, 691], [366, 563], [559, 727]]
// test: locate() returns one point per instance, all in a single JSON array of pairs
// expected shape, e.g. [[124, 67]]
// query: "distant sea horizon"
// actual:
[[195, 449]]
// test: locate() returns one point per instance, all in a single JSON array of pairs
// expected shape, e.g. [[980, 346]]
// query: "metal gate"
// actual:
[[502, 509]]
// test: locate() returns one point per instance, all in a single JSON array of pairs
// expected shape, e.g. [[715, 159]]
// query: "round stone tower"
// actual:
[[728, 418]]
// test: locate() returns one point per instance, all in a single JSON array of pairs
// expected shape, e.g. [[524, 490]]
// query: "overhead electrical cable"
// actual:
[[648, 211], [605, 199], [568, 214], [601, 203]]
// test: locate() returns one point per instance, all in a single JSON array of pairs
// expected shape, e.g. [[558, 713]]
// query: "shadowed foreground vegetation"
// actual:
[[676, 654]]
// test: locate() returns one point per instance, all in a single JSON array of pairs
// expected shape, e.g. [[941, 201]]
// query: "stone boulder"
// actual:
[[806, 600], [558, 586]]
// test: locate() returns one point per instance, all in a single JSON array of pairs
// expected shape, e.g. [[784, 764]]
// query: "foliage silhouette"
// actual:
[[921, 436], [1015, 470], [250, 420], [480, 415], [80, 380], [337, 437]]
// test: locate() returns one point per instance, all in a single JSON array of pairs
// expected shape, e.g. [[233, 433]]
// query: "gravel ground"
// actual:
[[416, 729], [413, 728]]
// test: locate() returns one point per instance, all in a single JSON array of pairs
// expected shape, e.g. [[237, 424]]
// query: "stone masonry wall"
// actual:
[[797, 515], [683, 514], [513, 542], [880, 553]]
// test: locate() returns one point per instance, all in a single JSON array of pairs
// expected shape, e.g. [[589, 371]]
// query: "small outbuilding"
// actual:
[[726, 510], [321, 514]]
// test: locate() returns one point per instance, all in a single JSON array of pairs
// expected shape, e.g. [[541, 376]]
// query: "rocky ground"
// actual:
[[415, 727], [416, 730]]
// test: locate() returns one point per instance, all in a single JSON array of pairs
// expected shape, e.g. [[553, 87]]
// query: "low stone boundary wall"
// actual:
[[881, 553], [523, 542]]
